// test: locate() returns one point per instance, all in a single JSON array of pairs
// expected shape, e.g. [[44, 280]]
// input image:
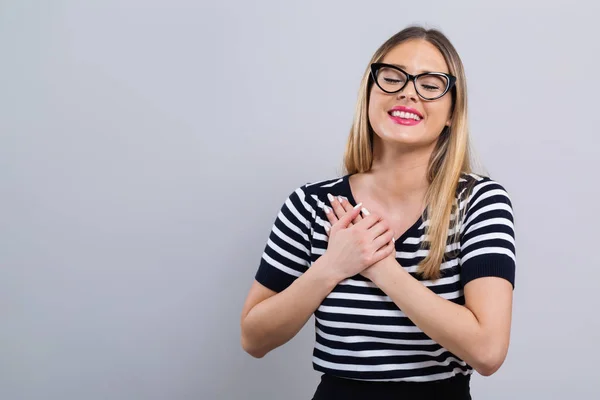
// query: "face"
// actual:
[[414, 57]]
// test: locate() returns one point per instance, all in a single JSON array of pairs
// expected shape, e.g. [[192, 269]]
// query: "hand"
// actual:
[[340, 208], [355, 242]]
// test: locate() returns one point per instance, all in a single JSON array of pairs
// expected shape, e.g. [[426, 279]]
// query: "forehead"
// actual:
[[416, 56]]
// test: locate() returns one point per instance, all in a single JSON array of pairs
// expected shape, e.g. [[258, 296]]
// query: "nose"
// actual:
[[409, 91]]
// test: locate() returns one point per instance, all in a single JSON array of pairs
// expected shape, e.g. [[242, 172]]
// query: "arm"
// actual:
[[270, 319], [478, 332], [283, 280]]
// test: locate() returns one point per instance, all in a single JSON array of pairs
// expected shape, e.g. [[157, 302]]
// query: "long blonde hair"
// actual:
[[449, 160]]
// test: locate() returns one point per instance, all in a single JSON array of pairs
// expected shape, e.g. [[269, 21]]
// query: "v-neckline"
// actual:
[[413, 229]]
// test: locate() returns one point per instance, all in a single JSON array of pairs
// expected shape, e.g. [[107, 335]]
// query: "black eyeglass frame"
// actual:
[[450, 79]]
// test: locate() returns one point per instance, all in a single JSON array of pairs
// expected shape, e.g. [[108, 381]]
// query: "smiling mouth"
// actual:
[[404, 115], [404, 118]]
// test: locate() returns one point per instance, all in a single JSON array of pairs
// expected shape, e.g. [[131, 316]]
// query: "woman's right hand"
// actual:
[[354, 247]]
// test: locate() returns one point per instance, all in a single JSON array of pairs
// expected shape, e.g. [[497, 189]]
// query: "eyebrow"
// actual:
[[404, 68]]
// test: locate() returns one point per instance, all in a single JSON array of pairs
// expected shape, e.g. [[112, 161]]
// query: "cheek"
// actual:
[[439, 113], [376, 105]]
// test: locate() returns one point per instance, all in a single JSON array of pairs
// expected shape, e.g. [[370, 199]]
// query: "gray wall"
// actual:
[[146, 146]]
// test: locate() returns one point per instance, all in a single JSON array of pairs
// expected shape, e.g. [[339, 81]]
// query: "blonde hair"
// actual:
[[449, 160]]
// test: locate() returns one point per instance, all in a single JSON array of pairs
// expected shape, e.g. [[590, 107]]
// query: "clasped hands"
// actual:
[[358, 239]]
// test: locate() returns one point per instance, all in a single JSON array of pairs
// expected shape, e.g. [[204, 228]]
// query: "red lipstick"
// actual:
[[402, 116]]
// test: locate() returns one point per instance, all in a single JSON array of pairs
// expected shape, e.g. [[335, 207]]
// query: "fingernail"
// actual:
[[358, 206], [340, 199], [365, 211], [330, 197], [327, 229], [393, 239]]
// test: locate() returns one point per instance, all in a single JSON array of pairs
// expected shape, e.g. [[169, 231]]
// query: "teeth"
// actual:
[[405, 115]]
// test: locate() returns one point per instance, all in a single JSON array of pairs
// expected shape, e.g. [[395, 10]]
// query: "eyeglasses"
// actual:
[[429, 85]]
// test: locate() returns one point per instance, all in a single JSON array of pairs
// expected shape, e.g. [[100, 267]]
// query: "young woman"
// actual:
[[407, 260]]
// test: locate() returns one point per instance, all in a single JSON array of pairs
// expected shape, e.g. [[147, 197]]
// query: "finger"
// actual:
[[346, 220], [330, 217], [369, 221], [365, 213], [327, 227], [337, 207], [347, 207], [330, 214], [379, 228], [384, 252], [383, 239]]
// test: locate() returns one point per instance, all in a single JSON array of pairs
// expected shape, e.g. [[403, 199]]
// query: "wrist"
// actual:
[[380, 267], [326, 273]]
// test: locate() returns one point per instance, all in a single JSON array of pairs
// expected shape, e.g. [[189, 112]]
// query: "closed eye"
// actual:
[[393, 81]]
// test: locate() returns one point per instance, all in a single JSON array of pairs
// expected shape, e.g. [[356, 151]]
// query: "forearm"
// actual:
[[276, 320], [451, 325]]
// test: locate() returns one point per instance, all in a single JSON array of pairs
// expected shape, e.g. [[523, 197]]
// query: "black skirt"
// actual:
[[334, 388]]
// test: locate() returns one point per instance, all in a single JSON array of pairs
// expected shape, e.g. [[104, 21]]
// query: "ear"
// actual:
[[449, 120]]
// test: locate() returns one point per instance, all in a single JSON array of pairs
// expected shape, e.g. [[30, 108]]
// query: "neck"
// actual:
[[399, 176]]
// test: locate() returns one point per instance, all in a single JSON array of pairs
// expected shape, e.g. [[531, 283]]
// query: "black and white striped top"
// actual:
[[360, 333]]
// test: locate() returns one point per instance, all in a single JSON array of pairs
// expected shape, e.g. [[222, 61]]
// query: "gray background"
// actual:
[[146, 147]]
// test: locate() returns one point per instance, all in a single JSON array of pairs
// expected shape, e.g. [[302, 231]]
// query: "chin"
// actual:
[[406, 139], [403, 137]]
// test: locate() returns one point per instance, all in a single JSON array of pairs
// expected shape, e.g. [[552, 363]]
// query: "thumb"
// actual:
[[349, 217]]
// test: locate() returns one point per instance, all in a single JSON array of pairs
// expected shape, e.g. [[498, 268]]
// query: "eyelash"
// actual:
[[426, 87]]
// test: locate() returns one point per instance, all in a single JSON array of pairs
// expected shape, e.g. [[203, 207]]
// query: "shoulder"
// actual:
[[485, 206], [314, 192], [487, 230], [330, 185], [306, 200], [474, 189]]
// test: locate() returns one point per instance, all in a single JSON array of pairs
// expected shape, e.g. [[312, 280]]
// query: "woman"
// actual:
[[408, 260]]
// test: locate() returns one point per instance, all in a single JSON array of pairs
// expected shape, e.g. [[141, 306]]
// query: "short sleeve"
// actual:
[[487, 245], [287, 253]]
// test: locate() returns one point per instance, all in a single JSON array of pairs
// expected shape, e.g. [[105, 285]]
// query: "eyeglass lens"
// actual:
[[428, 86]]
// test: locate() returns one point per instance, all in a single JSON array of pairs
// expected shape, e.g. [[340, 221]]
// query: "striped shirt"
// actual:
[[360, 333]]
